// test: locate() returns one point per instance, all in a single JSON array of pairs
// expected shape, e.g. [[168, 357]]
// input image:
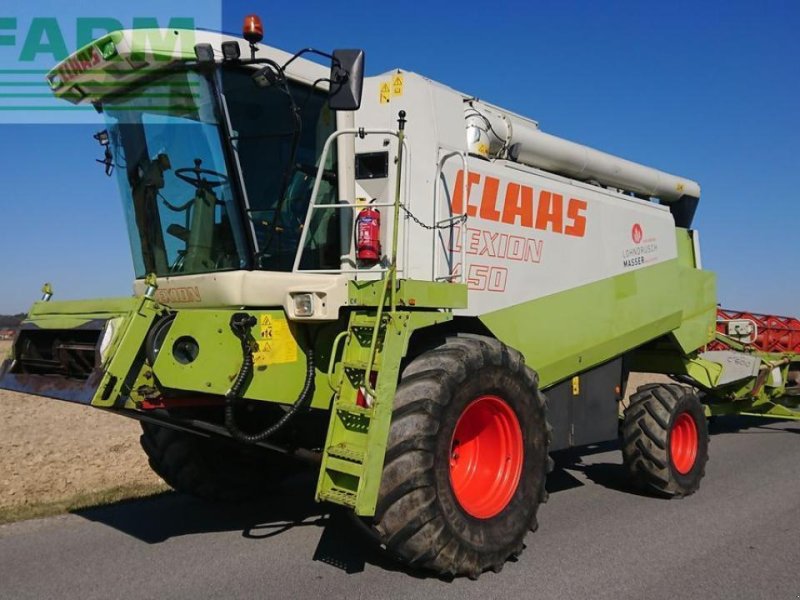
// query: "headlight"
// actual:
[[303, 305], [108, 336]]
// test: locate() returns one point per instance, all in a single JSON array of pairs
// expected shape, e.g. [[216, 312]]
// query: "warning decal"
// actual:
[[276, 343], [386, 91], [391, 89], [397, 85]]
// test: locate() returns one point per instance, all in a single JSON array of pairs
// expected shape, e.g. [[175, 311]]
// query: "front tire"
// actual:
[[466, 459], [211, 469], [665, 439]]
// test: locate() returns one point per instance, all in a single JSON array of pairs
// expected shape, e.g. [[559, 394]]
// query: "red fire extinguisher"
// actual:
[[368, 235]]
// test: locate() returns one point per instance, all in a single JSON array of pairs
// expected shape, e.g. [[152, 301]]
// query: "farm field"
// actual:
[[56, 456]]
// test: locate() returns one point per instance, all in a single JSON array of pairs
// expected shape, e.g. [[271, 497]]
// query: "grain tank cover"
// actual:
[[494, 133]]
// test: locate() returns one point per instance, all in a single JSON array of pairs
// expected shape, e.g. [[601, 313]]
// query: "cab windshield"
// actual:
[[192, 207], [277, 134], [178, 199]]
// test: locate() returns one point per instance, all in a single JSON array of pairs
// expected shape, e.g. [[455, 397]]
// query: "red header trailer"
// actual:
[[767, 333]]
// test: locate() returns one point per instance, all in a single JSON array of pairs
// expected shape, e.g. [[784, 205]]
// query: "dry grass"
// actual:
[[37, 510]]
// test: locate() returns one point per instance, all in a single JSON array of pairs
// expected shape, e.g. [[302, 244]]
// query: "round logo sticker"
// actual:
[[637, 234]]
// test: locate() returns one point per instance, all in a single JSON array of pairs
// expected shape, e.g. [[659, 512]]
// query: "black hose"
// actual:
[[692, 382], [241, 323]]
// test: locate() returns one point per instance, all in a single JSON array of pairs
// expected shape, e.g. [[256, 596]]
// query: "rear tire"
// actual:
[[665, 439], [447, 502], [209, 468]]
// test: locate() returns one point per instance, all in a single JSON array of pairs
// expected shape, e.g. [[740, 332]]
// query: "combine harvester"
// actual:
[[422, 294]]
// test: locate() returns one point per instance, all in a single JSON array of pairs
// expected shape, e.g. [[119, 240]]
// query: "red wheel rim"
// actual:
[[486, 457], [683, 443]]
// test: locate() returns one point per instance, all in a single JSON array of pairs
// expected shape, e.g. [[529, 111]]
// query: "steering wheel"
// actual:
[[194, 176]]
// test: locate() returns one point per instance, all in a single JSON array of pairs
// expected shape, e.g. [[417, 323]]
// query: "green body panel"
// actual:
[[411, 293], [67, 314], [126, 355], [698, 298], [674, 362], [572, 331], [220, 357]]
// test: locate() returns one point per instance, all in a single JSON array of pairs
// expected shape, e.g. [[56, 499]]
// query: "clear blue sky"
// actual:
[[706, 90]]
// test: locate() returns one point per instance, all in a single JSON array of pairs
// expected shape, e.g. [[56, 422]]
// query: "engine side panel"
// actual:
[[584, 409]]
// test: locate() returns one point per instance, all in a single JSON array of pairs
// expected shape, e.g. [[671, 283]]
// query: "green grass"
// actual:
[[22, 512]]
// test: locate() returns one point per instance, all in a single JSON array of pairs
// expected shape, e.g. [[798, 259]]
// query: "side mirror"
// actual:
[[108, 158], [347, 79]]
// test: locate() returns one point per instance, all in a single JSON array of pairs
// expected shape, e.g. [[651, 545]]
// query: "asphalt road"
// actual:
[[738, 537]]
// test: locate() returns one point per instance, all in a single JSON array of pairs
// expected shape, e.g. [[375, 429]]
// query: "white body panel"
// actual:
[[531, 234], [599, 234], [252, 288]]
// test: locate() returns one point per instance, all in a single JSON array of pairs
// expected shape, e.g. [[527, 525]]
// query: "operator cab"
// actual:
[[216, 161]]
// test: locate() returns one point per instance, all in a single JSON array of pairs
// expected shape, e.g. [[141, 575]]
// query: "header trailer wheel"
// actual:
[[665, 439]]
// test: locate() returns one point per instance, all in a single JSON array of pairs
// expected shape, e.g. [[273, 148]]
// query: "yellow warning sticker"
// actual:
[[397, 85], [276, 343], [386, 91], [576, 386]]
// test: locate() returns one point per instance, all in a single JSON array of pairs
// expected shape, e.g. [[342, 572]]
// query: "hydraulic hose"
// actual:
[[240, 324]]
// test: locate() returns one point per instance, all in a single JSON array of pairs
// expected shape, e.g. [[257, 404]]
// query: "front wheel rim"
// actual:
[[684, 442], [486, 457]]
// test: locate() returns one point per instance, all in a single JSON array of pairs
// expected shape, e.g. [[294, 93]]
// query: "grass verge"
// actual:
[[22, 512]]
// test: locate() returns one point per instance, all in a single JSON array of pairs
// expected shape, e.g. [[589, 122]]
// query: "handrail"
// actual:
[[312, 204], [391, 277], [332, 362], [436, 221]]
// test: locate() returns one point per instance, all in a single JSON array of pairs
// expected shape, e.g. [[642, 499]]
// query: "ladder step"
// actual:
[[354, 419], [338, 496], [361, 365], [347, 452], [354, 410]]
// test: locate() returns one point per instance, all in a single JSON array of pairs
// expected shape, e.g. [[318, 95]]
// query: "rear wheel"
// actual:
[[466, 459], [209, 468], [665, 439]]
